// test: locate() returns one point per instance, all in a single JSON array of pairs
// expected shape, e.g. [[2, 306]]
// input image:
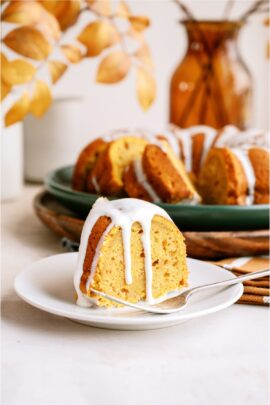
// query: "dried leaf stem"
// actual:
[[187, 12], [255, 7], [140, 58], [228, 8]]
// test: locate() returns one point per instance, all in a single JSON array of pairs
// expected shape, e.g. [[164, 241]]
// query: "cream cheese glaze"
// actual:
[[95, 184], [231, 137], [123, 213], [142, 179], [242, 156], [185, 138]]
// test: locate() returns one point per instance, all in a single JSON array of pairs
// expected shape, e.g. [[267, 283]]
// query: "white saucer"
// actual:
[[48, 285]]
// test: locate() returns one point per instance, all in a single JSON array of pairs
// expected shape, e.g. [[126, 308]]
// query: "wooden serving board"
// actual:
[[200, 245]]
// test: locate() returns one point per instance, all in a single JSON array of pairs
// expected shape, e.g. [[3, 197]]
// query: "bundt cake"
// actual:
[[159, 176], [106, 176], [235, 176], [129, 249], [178, 165]]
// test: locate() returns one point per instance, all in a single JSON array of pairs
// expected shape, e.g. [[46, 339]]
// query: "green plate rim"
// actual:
[[51, 182]]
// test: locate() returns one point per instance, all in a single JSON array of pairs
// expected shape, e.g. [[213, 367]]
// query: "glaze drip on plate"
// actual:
[[123, 213]]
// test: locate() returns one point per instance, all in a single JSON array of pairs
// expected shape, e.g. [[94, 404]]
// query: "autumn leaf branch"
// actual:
[[40, 32]]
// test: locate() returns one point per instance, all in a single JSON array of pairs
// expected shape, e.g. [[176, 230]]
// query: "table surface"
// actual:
[[219, 359]]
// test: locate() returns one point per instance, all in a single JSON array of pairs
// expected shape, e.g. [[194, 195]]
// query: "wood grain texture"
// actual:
[[200, 245]]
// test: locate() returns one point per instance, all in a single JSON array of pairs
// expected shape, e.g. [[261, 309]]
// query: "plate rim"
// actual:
[[51, 183], [123, 321]]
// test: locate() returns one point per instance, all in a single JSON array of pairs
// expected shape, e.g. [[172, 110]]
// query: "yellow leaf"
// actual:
[[5, 89], [57, 69], [22, 12], [17, 71], [54, 7], [123, 10], [18, 111], [4, 60], [72, 53], [144, 55], [102, 7], [28, 42], [113, 68], [66, 11], [98, 36], [71, 13], [32, 13], [139, 23], [41, 100], [146, 88]]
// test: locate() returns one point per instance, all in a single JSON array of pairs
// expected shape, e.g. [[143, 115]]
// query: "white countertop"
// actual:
[[216, 360]]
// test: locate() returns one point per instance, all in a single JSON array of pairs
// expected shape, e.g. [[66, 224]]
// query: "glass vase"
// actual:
[[212, 85]]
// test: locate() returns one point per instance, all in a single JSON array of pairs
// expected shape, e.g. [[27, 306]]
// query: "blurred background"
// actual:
[[108, 107], [89, 109]]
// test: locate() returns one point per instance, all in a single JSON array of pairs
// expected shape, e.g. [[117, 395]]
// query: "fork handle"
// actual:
[[231, 281]]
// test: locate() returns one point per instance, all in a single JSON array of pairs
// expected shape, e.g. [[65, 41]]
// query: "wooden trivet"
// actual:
[[200, 245]]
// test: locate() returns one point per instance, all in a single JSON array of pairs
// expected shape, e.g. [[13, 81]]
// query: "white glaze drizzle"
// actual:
[[210, 135], [232, 137], [123, 213], [142, 179], [95, 184], [242, 156], [186, 135], [225, 135], [172, 140]]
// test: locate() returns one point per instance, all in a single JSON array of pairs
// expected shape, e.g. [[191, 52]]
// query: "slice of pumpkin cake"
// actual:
[[159, 176], [108, 171], [129, 249]]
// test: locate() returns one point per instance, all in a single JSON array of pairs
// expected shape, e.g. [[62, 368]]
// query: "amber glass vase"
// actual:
[[212, 85]]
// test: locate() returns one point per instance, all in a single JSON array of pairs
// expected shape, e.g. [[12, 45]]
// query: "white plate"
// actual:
[[48, 285]]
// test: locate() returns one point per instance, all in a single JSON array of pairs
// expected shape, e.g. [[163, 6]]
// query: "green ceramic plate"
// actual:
[[187, 217]]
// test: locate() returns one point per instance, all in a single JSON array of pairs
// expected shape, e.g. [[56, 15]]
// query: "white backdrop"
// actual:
[[113, 106]]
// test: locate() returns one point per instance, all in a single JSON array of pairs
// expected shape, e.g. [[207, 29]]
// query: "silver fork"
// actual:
[[179, 302]]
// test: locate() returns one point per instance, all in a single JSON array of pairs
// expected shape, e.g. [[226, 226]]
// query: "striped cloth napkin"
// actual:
[[256, 291]]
